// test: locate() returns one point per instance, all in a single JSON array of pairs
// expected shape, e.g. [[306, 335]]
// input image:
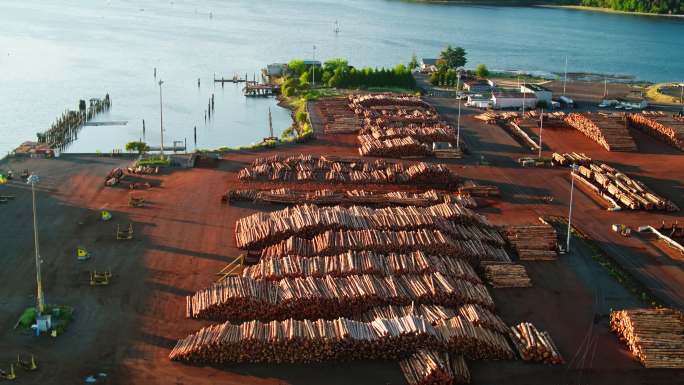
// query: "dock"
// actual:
[[252, 89]]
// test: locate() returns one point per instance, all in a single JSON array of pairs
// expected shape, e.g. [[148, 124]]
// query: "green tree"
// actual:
[[452, 57], [481, 71], [413, 64], [296, 67], [140, 147]]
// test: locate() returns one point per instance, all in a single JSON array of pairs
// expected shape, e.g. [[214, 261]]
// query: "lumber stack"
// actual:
[[532, 242], [307, 341], [654, 336], [428, 367], [492, 117], [436, 133], [239, 195], [534, 345], [477, 190], [606, 131], [337, 117], [666, 128], [628, 191], [307, 168], [507, 275], [392, 148], [238, 298], [433, 242], [263, 229], [568, 159], [359, 262]]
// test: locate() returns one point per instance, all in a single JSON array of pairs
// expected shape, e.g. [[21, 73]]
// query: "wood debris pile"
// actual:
[[337, 117], [428, 367], [535, 345], [392, 148], [359, 262], [433, 242], [568, 159], [654, 336], [507, 275], [532, 242], [114, 176], [669, 129], [610, 133], [478, 190], [307, 341], [492, 117], [629, 192], [262, 229], [307, 168], [238, 298], [349, 197]]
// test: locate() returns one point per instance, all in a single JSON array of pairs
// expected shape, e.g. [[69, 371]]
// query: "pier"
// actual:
[[253, 89], [65, 129]]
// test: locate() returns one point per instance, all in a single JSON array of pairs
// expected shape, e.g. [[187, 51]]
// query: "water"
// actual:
[[53, 53]]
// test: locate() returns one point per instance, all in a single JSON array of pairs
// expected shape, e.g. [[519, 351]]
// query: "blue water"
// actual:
[[53, 53]]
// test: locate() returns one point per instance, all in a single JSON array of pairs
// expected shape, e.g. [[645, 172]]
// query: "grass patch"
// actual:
[[154, 162], [653, 93], [515, 76], [62, 316]]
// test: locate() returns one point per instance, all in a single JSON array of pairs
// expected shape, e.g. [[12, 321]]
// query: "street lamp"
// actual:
[[681, 96], [313, 69], [32, 180], [541, 127], [161, 121], [572, 188], [458, 127]]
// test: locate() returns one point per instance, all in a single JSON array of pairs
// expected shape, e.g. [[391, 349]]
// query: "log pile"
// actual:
[[533, 242], [501, 275], [436, 133], [606, 131], [534, 345], [433, 242], [307, 341], [360, 262], [114, 176], [428, 367], [392, 148], [238, 298], [262, 229], [666, 128], [337, 117], [492, 117], [568, 159], [477, 190], [628, 191], [654, 336], [307, 168]]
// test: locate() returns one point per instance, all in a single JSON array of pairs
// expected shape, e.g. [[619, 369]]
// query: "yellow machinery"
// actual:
[[232, 269], [105, 215], [100, 279], [124, 234], [27, 365], [82, 254], [136, 200], [8, 375]]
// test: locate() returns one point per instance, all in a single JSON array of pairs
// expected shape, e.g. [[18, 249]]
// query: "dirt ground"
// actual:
[[185, 235]]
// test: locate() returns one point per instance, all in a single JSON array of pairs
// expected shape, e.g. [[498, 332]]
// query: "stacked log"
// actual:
[[337, 117], [428, 367], [361, 262], [477, 190], [263, 229], [436, 133], [532, 242], [433, 242], [238, 298], [392, 148], [654, 336], [306, 168], [666, 128], [341, 339], [606, 131], [239, 195], [568, 159], [534, 345], [492, 117], [114, 176], [502, 275]]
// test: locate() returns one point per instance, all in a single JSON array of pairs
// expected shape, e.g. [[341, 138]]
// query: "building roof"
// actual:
[[312, 62], [536, 87], [513, 95], [478, 82], [429, 61]]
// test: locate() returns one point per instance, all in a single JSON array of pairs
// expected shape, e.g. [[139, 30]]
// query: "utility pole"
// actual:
[[32, 180], [681, 96], [458, 127], [572, 188], [313, 68], [161, 121], [565, 78], [524, 101], [541, 127]]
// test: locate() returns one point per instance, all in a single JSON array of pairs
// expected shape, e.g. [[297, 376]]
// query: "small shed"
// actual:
[[478, 86], [276, 69], [428, 65], [540, 92], [513, 99]]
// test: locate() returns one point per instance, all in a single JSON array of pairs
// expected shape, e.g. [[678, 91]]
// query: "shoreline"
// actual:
[[608, 10]]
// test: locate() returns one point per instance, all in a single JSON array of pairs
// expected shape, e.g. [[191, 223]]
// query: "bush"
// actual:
[[140, 147], [301, 116], [481, 71], [154, 162]]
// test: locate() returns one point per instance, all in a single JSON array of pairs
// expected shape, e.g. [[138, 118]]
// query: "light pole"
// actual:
[[572, 188], [458, 127], [681, 96], [32, 180], [541, 127], [313, 69], [161, 121], [565, 78]]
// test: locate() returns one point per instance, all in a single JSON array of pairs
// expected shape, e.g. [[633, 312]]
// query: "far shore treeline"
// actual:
[[662, 7]]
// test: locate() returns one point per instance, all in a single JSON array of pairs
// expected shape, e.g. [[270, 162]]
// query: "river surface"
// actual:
[[53, 53]]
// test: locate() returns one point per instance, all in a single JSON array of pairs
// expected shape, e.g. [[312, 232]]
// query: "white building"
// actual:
[[479, 101], [509, 99], [540, 92], [428, 65]]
